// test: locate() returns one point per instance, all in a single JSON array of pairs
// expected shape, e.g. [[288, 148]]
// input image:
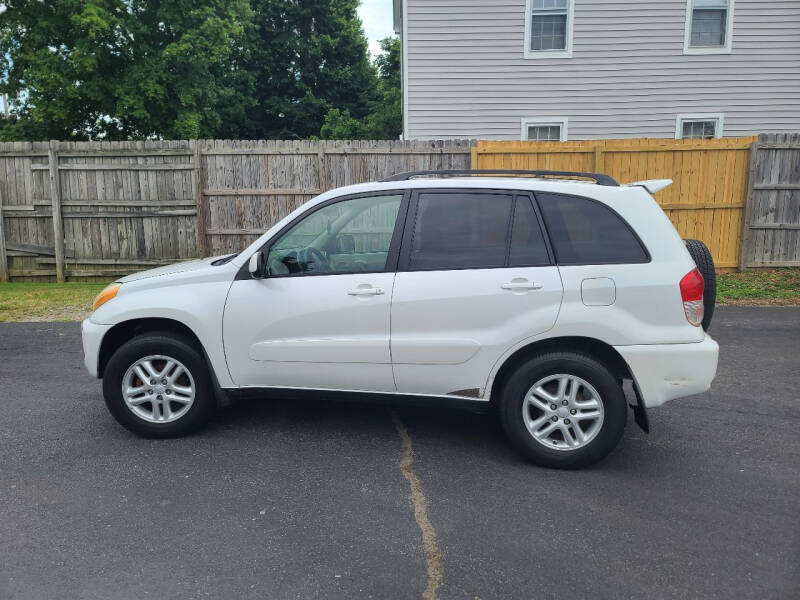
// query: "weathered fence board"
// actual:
[[706, 201], [3, 248], [103, 206], [772, 223], [248, 186]]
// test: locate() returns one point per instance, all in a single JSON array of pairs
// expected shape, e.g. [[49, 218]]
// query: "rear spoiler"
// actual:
[[652, 185]]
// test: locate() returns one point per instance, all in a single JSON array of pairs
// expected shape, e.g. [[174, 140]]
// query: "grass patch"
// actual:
[[73, 301], [47, 301], [762, 286]]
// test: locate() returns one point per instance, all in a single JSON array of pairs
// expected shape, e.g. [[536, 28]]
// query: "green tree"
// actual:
[[123, 69], [340, 125], [308, 56], [385, 119], [133, 69]]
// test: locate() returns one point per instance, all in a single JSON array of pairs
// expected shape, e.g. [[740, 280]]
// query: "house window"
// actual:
[[698, 127], [549, 129], [709, 26], [548, 28], [544, 133]]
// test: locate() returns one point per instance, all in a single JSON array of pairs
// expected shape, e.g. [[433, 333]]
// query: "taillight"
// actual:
[[692, 286]]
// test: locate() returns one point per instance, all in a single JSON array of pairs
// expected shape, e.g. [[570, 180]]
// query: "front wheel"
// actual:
[[563, 410], [158, 385]]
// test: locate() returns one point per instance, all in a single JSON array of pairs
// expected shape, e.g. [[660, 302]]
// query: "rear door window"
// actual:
[[460, 230], [584, 231]]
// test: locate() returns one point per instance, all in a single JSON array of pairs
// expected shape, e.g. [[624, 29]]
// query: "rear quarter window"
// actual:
[[584, 231]]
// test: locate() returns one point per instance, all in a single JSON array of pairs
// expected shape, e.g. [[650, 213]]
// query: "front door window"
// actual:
[[352, 236]]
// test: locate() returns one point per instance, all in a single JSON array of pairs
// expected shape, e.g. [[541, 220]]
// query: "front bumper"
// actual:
[[92, 335], [664, 372]]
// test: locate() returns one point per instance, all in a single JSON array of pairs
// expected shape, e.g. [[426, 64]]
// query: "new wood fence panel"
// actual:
[[772, 230], [705, 202]]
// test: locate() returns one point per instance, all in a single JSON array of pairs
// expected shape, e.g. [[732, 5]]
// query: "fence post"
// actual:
[[323, 185], [202, 242], [3, 256], [599, 161], [747, 213], [55, 199], [473, 158]]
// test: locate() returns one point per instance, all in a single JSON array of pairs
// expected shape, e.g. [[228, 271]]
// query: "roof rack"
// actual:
[[598, 178]]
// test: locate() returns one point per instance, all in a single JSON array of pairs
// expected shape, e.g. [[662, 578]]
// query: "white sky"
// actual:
[[377, 18]]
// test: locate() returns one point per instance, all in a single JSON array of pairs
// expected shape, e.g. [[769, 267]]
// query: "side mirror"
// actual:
[[258, 265]]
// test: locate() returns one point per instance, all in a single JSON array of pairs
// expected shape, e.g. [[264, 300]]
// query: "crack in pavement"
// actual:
[[433, 556]]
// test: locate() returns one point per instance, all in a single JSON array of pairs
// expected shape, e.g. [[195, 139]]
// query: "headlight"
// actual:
[[107, 294]]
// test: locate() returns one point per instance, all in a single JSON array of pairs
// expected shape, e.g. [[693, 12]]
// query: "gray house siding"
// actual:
[[466, 75]]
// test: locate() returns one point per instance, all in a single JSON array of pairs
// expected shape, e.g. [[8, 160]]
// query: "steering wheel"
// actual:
[[313, 260]]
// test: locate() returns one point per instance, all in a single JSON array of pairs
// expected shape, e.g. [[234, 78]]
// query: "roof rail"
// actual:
[[598, 178]]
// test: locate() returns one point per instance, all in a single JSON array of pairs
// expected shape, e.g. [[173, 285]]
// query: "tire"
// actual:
[[181, 416], [705, 264], [600, 437]]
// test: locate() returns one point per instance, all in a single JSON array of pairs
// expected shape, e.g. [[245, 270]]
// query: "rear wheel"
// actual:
[[158, 385], [705, 264], [563, 410]]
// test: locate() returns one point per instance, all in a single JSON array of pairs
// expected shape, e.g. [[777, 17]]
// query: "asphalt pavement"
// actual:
[[300, 499]]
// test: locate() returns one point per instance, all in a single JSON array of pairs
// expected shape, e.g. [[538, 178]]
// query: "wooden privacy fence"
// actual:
[[101, 209], [95, 209], [772, 219], [706, 202], [249, 186]]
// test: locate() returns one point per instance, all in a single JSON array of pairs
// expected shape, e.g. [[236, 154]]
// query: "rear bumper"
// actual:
[[92, 335], [664, 372]]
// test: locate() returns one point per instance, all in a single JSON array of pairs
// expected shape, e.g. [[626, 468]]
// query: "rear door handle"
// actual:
[[365, 291], [521, 285]]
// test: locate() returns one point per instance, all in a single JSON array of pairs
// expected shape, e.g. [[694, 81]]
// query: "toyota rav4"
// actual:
[[537, 294]]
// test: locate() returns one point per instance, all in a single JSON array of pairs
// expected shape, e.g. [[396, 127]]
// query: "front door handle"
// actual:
[[365, 291], [521, 284]]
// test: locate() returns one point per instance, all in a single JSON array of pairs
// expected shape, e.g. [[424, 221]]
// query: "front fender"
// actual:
[[195, 301]]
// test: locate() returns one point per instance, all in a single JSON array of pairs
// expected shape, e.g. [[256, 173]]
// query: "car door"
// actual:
[[320, 319], [476, 276]]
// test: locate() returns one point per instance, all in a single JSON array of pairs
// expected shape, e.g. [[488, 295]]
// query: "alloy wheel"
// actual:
[[158, 389], [563, 412]]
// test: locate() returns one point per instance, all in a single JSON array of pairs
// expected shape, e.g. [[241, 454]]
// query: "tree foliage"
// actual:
[[123, 68], [133, 69], [308, 56], [387, 114], [385, 120]]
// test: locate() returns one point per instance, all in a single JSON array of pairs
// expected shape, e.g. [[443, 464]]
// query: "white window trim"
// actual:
[[687, 34], [526, 43], [533, 121], [718, 117]]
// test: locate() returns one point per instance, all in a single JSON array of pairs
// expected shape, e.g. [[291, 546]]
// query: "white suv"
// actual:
[[534, 295]]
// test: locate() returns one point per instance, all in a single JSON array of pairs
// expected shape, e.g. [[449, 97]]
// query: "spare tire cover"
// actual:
[[705, 264]]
